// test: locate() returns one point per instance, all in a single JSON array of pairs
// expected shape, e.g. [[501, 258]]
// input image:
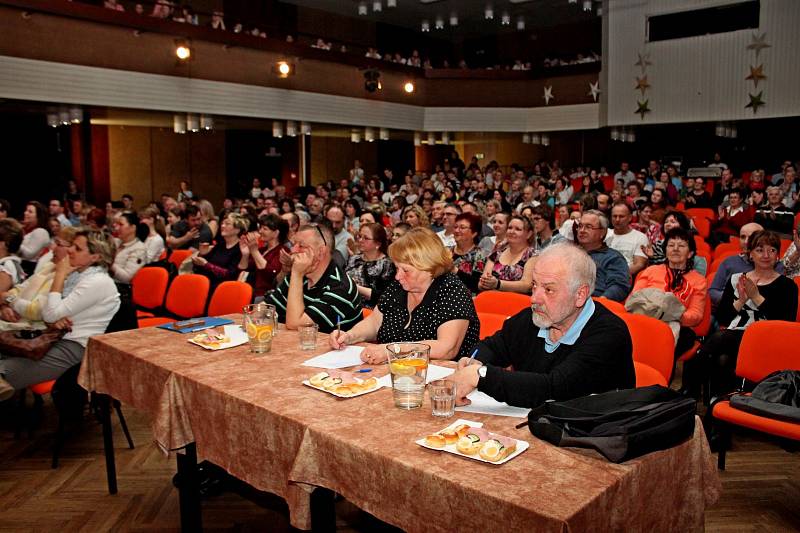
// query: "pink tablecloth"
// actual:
[[252, 416]]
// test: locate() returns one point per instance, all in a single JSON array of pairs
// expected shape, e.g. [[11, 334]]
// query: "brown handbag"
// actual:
[[31, 344]]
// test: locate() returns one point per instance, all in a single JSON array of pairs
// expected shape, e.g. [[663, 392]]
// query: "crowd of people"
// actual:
[[416, 248]]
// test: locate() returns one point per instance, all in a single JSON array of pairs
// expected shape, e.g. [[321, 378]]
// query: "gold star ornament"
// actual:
[[756, 74], [642, 108], [642, 84], [756, 101]]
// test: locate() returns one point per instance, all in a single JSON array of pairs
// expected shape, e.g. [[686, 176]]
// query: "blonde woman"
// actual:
[[154, 242], [221, 262], [207, 211], [415, 216], [426, 303]]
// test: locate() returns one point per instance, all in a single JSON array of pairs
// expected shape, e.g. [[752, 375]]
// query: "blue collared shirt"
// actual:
[[572, 333]]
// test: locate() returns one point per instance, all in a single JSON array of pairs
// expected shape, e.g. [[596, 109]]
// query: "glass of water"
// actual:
[[308, 336], [443, 397], [408, 366]]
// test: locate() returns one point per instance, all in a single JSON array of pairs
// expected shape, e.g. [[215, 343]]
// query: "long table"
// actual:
[[253, 417]]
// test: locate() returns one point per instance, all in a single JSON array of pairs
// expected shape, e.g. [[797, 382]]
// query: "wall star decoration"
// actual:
[[643, 62], [756, 73], [643, 109], [548, 94], [756, 101], [642, 84], [594, 90], [758, 43]]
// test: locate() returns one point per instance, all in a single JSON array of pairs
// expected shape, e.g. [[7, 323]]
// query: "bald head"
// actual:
[[745, 232]]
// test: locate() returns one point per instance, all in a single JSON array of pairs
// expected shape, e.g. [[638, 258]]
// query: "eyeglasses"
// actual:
[[588, 227], [364, 238], [450, 214], [321, 235]]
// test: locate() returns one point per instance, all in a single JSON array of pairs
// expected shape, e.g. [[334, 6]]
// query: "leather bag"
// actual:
[[31, 344]]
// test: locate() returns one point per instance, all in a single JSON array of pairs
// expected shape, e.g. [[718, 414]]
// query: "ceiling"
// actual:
[[471, 14]]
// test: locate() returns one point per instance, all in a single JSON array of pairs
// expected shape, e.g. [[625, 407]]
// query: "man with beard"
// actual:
[[564, 346]]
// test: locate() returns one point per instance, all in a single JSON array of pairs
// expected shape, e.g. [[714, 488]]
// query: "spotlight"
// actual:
[[536, 138], [521, 23], [391, 3], [291, 128], [75, 115], [305, 128], [408, 87], [417, 139], [445, 138], [362, 8], [453, 19], [206, 122], [431, 138], [383, 134], [372, 80], [526, 138], [377, 6], [439, 23], [63, 116], [283, 69], [587, 5], [355, 136], [426, 26], [369, 135], [277, 129], [52, 120], [182, 50], [192, 123], [489, 13], [545, 139], [179, 123], [505, 19]]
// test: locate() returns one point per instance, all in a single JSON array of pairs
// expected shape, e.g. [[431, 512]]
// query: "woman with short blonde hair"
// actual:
[[415, 216], [426, 303], [221, 262]]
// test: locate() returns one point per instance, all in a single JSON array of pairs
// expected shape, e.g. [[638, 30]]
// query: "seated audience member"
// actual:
[[24, 302], [190, 231], [11, 272], [82, 299], [451, 211], [468, 259], [626, 240], [698, 196], [221, 262], [677, 277], [731, 218], [774, 216], [613, 279], [315, 289], [154, 242], [761, 294], [491, 244], [655, 251], [564, 346], [427, 303], [509, 269], [131, 252], [791, 259], [37, 237], [335, 216], [294, 223], [208, 216], [57, 210], [415, 216], [264, 264], [543, 226], [648, 226], [95, 218], [399, 230], [370, 268]]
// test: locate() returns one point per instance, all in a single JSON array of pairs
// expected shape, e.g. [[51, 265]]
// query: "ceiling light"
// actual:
[[431, 138], [439, 23], [355, 136], [426, 26], [362, 8], [536, 138], [52, 120], [614, 134], [521, 23], [277, 129], [445, 138], [283, 69], [526, 138], [63, 116], [206, 122], [369, 135], [179, 123], [417, 139], [183, 51], [545, 139], [305, 128], [587, 5], [391, 3], [383, 134], [75, 115], [377, 6], [505, 19], [291, 128], [192, 123], [488, 13], [453, 19], [408, 87]]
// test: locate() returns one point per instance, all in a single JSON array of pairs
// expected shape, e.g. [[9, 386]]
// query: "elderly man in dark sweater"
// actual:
[[564, 346]]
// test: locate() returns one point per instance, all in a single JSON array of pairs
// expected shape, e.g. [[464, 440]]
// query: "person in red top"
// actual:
[[264, 263], [678, 277], [731, 218]]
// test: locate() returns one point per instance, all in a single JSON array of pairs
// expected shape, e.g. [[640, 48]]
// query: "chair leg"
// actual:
[[118, 408], [21, 415], [61, 435]]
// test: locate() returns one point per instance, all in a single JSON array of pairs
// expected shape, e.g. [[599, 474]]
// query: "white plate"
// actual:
[[308, 384], [451, 448]]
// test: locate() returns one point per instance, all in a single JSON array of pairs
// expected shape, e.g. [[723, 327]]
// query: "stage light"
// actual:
[[179, 123], [526, 138], [291, 128], [183, 51], [369, 134], [426, 26], [431, 138], [206, 122], [192, 123], [277, 129], [383, 134], [52, 120], [75, 115], [362, 8], [488, 13], [408, 87], [377, 6], [505, 19], [355, 136], [545, 139], [417, 139], [305, 128], [439, 23], [283, 69], [445, 138], [453, 19], [536, 138], [521, 23]]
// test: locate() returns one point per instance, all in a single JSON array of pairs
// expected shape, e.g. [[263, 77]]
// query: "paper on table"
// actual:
[[434, 372], [349, 356], [235, 333], [483, 403]]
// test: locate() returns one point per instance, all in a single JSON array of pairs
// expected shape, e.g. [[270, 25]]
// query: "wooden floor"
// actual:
[[761, 487]]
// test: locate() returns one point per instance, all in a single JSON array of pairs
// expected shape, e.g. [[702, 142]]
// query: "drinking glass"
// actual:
[[408, 366], [443, 397], [259, 323], [308, 336]]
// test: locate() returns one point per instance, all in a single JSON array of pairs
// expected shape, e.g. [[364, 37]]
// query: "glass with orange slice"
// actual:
[[259, 324], [408, 366]]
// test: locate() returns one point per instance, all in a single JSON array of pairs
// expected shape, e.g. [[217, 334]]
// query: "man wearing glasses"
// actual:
[[613, 279], [316, 289], [451, 211]]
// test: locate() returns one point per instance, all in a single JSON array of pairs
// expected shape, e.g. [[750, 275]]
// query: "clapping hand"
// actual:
[[286, 260], [199, 261], [647, 249]]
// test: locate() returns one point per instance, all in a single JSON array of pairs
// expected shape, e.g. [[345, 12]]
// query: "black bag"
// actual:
[[620, 424], [777, 396]]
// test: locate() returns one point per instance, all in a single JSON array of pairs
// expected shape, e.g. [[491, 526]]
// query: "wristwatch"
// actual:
[[482, 371]]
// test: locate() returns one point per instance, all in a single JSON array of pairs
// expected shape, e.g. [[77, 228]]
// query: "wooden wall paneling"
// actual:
[[130, 163], [170, 153], [101, 176], [207, 165]]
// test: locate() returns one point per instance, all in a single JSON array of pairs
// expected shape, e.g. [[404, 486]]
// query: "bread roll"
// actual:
[[468, 445], [461, 429], [369, 384], [317, 379], [450, 436], [435, 441]]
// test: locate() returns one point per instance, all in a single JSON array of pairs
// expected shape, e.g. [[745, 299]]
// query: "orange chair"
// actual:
[[179, 256], [366, 312], [785, 243], [705, 253], [701, 212], [186, 298], [767, 346], [490, 323], [701, 244], [653, 343], [721, 256], [612, 305], [703, 226], [148, 288], [797, 282], [725, 247], [230, 297], [646, 375], [501, 303]]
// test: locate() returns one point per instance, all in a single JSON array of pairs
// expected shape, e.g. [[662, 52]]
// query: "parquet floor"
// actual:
[[761, 487]]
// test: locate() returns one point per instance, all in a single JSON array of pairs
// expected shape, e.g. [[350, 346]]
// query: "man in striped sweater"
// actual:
[[316, 290]]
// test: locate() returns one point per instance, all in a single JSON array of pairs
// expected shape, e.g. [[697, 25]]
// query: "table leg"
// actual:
[[188, 490], [323, 510], [104, 404]]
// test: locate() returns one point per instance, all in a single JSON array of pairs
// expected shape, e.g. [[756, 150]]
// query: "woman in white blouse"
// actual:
[[83, 299], [36, 238], [154, 243], [131, 253]]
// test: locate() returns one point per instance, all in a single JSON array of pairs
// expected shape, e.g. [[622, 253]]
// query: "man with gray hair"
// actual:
[[564, 346], [613, 278]]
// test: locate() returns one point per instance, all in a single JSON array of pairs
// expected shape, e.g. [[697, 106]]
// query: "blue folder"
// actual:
[[190, 325]]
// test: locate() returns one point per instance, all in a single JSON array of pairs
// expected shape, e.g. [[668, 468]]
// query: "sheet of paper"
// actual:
[[434, 372], [349, 356], [483, 403], [235, 333]]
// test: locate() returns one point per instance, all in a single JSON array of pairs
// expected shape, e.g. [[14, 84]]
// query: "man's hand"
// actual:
[[466, 379], [302, 262]]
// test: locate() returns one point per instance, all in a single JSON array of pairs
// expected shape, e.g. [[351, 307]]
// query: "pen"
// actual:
[[363, 370], [339, 324], [472, 357]]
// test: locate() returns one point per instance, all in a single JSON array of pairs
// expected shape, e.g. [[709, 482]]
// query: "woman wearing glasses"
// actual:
[[371, 269]]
